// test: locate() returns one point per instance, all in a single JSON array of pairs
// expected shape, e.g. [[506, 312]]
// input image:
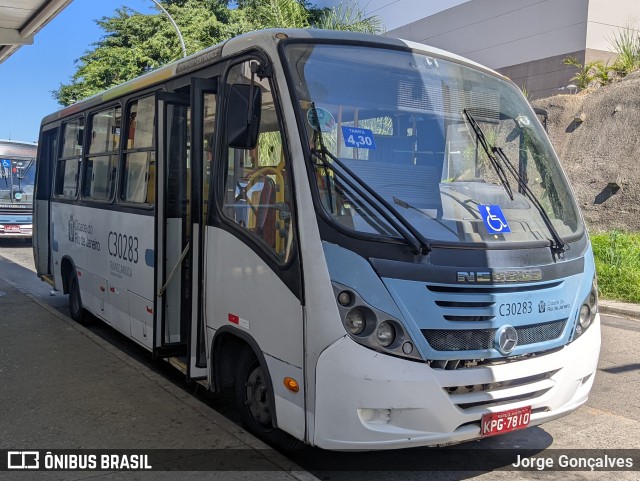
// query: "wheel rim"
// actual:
[[258, 397]]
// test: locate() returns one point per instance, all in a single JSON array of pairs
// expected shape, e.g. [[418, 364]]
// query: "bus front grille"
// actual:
[[501, 393], [16, 211], [480, 339]]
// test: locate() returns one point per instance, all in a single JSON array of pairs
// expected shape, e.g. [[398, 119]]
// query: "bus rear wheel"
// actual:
[[78, 312], [253, 401]]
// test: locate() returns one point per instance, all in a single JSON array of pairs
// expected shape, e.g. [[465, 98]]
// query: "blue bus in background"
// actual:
[[17, 176]]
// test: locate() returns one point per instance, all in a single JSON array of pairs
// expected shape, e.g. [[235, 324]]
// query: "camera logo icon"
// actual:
[[23, 460]]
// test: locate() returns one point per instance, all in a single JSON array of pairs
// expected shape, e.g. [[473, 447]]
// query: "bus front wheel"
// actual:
[[78, 313], [254, 397]]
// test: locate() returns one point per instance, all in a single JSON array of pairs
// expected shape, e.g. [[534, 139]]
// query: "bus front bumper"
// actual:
[[367, 400], [16, 230]]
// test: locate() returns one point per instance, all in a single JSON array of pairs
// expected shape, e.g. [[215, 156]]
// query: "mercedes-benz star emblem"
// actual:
[[506, 340]]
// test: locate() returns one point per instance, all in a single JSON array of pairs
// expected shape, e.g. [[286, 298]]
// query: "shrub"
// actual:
[[617, 257]]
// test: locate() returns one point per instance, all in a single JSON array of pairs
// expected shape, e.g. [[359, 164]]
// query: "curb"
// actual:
[[630, 311]]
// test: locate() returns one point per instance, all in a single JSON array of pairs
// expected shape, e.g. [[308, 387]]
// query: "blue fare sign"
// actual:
[[494, 219], [358, 138]]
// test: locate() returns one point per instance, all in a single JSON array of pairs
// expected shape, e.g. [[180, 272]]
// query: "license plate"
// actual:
[[12, 228], [505, 421]]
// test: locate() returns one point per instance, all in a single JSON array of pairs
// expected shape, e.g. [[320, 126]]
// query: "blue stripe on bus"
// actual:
[[149, 257]]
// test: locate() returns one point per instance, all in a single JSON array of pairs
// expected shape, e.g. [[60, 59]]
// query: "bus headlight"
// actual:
[[386, 334], [588, 310], [585, 316], [355, 321], [372, 327]]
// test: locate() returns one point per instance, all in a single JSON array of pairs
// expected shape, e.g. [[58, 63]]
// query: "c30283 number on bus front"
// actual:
[[516, 308]]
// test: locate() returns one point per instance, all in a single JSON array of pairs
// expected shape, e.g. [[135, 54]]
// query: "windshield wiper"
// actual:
[[558, 246], [489, 151], [22, 174], [416, 240]]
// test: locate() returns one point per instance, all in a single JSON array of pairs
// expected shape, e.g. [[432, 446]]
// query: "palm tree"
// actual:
[[349, 16], [299, 14]]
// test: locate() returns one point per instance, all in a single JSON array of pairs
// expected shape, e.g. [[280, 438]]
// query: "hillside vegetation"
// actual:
[[601, 153]]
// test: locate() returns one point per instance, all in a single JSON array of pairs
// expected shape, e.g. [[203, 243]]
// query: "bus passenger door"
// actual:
[[204, 102], [173, 228], [42, 204]]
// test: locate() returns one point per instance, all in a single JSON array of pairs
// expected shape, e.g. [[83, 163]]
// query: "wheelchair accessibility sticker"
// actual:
[[494, 219]]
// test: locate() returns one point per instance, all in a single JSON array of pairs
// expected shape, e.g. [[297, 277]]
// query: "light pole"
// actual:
[[175, 26]]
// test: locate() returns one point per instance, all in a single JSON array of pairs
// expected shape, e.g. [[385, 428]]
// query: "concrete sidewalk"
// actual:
[[64, 387]]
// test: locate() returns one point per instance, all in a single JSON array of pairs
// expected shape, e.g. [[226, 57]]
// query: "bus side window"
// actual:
[[100, 163], [257, 193], [68, 166], [138, 175]]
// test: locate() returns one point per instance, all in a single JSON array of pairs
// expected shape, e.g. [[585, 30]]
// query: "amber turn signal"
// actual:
[[291, 384]]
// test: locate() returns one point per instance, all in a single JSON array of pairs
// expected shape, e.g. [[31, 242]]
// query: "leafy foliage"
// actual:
[[134, 44], [626, 43], [590, 74], [348, 17]]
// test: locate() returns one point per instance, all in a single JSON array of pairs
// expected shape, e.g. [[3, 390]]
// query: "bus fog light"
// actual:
[[344, 299], [386, 334], [355, 321], [585, 316], [407, 348], [375, 416]]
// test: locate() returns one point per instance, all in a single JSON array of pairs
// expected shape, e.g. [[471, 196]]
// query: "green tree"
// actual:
[[134, 44]]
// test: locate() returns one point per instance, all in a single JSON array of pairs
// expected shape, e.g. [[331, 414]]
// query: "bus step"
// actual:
[[171, 351], [180, 363]]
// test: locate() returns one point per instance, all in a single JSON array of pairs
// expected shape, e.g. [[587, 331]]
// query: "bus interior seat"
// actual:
[[151, 183], [262, 220], [430, 143], [393, 149], [418, 185]]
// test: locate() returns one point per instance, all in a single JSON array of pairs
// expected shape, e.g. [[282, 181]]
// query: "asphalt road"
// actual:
[[610, 420]]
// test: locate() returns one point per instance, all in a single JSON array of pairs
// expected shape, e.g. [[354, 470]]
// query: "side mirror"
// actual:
[[243, 116]]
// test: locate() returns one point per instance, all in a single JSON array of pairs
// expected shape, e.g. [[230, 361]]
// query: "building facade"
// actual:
[[526, 40]]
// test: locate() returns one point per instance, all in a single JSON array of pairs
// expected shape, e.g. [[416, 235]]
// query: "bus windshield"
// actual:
[[399, 121], [16, 180]]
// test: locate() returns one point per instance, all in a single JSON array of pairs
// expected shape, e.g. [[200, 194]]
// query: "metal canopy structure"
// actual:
[[20, 20]]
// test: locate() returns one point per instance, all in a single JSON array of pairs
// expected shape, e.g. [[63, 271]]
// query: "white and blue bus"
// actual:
[[17, 175], [370, 240]]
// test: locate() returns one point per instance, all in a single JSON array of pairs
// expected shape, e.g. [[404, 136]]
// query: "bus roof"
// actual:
[[264, 38], [18, 142], [17, 148]]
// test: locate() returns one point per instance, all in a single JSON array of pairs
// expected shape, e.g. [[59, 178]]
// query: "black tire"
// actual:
[[78, 312], [253, 402]]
